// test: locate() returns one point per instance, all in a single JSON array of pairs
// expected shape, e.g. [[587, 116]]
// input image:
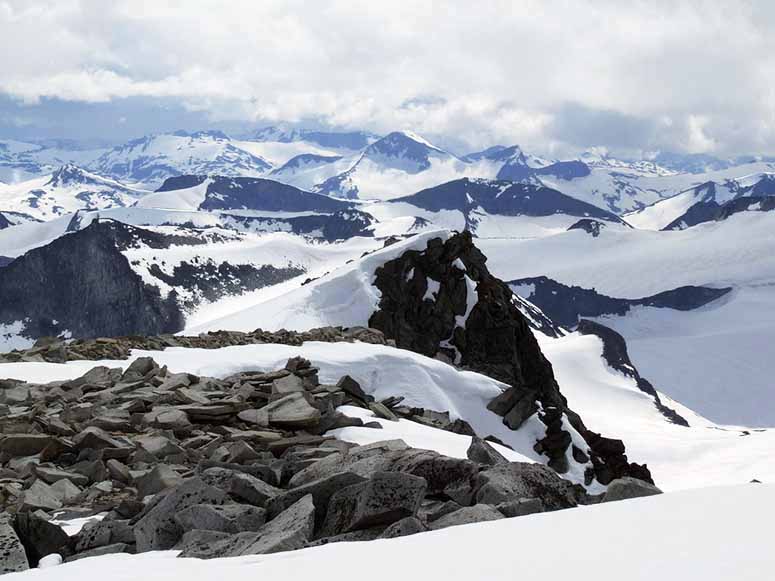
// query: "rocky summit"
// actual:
[[443, 302], [240, 465]]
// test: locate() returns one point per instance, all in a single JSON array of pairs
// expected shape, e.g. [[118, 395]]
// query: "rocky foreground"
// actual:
[[238, 466]]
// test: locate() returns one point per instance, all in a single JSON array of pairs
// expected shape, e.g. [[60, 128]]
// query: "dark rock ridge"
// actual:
[[443, 301], [84, 283], [712, 211], [241, 465], [502, 198], [225, 193], [565, 305], [5, 261], [616, 356]]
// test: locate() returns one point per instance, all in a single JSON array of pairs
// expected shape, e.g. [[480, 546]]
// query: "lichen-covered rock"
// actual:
[[13, 559], [382, 500], [158, 529]]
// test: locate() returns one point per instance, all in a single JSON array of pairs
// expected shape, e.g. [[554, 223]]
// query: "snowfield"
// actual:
[[702, 358], [716, 534]]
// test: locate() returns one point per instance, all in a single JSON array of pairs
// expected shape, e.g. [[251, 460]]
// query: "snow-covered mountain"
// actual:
[[487, 208], [398, 164], [68, 189], [350, 140], [152, 159], [699, 357], [704, 202]]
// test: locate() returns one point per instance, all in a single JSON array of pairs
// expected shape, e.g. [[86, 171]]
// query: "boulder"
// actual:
[[406, 526], [321, 491], [19, 445], [467, 515], [287, 384], [482, 452], [521, 507], [160, 477], [251, 489], [517, 480], [291, 412], [103, 533], [38, 536], [157, 529], [40, 496], [351, 387], [386, 498], [13, 559], [96, 439], [50, 475], [227, 518], [290, 530], [65, 491], [99, 551], [628, 487], [141, 368]]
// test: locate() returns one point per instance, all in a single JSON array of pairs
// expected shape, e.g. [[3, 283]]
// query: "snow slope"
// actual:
[[703, 358], [345, 297], [676, 537]]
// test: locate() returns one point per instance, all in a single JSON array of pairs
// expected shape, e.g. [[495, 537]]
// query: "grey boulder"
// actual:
[[628, 487], [386, 498], [158, 529]]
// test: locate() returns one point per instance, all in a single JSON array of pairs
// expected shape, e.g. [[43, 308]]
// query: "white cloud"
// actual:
[[498, 71]]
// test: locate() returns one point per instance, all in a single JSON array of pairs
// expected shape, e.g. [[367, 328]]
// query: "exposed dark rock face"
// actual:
[[589, 226], [83, 282], [747, 204], [443, 300], [267, 195], [4, 222], [503, 198], [565, 305], [564, 170], [5, 261], [615, 354]]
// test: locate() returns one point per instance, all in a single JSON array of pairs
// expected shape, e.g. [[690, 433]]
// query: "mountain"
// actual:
[[704, 202], [152, 159], [395, 165], [109, 278], [489, 208], [698, 357], [352, 140], [68, 189], [221, 193]]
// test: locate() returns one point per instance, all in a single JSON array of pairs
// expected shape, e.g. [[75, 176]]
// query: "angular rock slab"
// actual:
[[158, 530], [291, 530], [386, 498], [12, 556]]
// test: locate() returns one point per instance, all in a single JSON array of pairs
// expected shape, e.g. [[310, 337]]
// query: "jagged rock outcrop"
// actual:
[[442, 301]]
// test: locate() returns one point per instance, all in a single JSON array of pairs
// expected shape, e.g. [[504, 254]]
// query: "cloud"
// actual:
[[546, 74]]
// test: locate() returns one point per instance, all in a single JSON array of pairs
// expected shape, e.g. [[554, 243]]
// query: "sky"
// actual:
[[555, 77]]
